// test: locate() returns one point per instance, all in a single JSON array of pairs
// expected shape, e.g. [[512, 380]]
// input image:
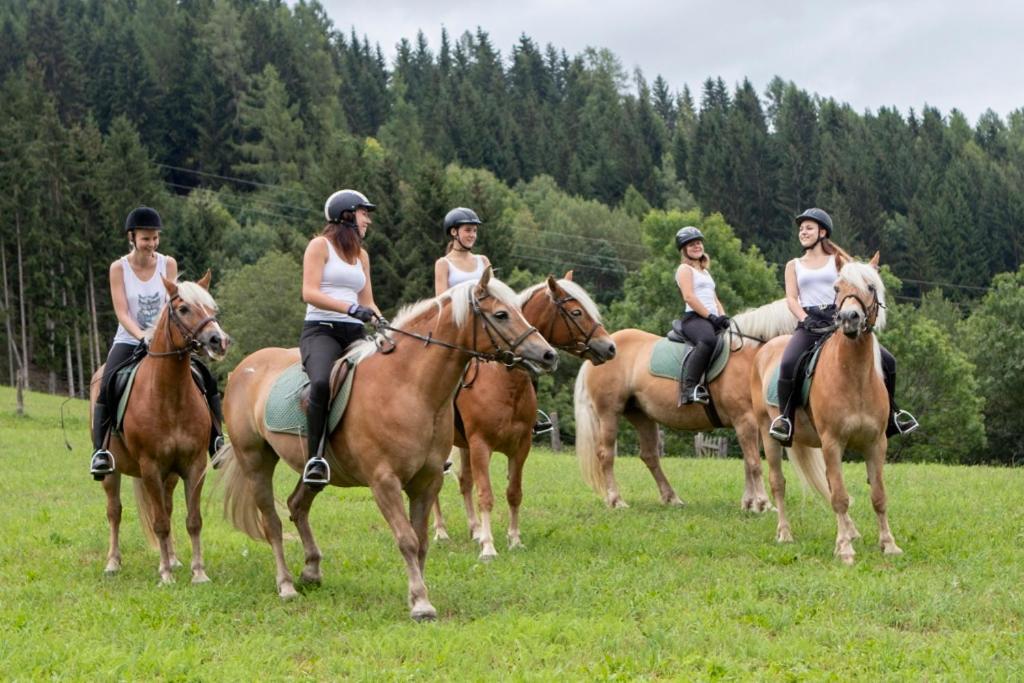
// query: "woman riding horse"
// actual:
[[810, 295], [138, 293], [339, 299]]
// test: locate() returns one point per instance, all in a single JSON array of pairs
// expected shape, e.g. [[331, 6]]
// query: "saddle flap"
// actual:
[[667, 358], [285, 410]]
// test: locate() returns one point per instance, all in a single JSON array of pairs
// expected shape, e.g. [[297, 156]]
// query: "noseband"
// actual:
[[870, 311], [578, 346], [190, 336]]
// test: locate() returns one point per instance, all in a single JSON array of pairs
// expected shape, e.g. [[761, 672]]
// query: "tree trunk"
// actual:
[[51, 336], [67, 338], [23, 384], [78, 352], [11, 350], [98, 348]]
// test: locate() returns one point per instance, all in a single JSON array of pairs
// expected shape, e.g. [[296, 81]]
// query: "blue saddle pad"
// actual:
[[283, 412], [667, 359]]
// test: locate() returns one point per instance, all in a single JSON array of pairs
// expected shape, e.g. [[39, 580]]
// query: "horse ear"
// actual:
[[568, 275], [171, 287], [485, 279], [204, 281], [874, 261], [553, 285]]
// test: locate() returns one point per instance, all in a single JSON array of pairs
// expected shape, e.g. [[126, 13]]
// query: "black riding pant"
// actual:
[[102, 415], [321, 344], [698, 330]]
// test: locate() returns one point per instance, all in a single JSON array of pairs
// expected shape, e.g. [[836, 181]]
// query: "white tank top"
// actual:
[[341, 281], [815, 285], [704, 288], [457, 277], [145, 299]]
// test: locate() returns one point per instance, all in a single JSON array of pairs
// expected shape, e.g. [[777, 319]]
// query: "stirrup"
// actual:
[[447, 466], [904, 421], [216, 445], [317, 472], [781, 429], [102, 464], [699, 394], [543, 424]]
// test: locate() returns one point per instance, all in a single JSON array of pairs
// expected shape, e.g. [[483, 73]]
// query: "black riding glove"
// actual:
[[719, 322], [361, 313]]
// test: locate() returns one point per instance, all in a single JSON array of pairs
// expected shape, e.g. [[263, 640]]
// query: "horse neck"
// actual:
[[856, 356], [541, 312], [434, 370], [167, 372]]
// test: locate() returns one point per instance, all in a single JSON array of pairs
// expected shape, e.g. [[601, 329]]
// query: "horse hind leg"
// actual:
[[299, 503], [875, 459], [112, 487], [607, 433], [480, 456], [514, 492], [777, 481], [466, 490], [194, 519], [387, 492], [647, 431], [755, 498]]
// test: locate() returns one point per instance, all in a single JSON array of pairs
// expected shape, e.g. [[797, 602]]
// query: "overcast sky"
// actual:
[[964, 54]]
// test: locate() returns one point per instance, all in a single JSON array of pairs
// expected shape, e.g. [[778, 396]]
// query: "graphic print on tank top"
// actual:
[[149, 308]]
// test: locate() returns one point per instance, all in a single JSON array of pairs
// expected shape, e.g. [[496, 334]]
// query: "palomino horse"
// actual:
[[498, 406], [624, 386], [847, 408], [166, 426], [395, 433]]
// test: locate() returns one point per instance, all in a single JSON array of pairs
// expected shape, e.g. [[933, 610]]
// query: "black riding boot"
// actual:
[[691, 390], [317, 472], [102, 462], [900, 421], [782, 426], [216, 422]]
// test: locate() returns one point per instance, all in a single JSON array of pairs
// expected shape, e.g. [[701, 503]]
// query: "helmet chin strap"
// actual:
[[458, 241]]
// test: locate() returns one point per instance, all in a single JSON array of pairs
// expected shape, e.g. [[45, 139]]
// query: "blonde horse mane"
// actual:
[[768, 321], [460, 297], [572, 289]]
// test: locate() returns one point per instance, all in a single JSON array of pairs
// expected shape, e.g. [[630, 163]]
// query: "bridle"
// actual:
[[190, 335], [578, 346], [505, 355], [870, 311]]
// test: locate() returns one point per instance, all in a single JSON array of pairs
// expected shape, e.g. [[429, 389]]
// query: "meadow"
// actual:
[[698, 592]]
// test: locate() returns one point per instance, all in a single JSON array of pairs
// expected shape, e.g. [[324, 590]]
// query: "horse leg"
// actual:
[[647, 431], [607, 431], [875, 459], [387, 491], [514, 492], [261, 482], [154, 487], [169, 485], [440, 530], [420, 492], [755, 499], [194, 520], [846, 532], [112, 487], [299, 504], [480, 456], [777, 481], [466, 489]]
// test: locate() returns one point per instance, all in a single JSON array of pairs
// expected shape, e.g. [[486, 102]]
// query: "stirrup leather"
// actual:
[[904, 421], [781, 429], [317, 472], [102, 463]]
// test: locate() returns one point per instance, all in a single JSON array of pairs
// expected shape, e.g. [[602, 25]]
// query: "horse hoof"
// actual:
[[175, 563], [488, 555], [111, 569], [891, 549], [287, 592], [311, 578], [424, 613], [618, 504], [167, 580], [784, 536], [441, 535], [516, 544], [200, 577]]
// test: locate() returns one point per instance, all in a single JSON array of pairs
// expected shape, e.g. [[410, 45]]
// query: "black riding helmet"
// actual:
[[819, 217], [143, 218], [687, 235], [460, 216], [345, 200]]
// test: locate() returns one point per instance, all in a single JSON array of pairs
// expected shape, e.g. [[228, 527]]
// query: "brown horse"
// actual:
[[847, 408], [395, 433], [166, 427], [498, 406], [625, 387]]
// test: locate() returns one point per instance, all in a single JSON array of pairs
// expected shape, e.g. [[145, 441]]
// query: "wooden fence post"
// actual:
[[556, 435]]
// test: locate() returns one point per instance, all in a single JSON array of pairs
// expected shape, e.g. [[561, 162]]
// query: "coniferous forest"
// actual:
[[237, 118]]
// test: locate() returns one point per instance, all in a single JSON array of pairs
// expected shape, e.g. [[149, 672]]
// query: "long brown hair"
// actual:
[[833, 249], [345, 238]]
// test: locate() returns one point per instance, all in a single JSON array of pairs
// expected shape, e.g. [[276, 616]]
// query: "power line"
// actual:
[[944, 284], [613, 259], [230, 178]]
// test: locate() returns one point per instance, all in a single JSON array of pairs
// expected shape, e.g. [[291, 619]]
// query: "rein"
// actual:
[[192, 343], [506, 356]]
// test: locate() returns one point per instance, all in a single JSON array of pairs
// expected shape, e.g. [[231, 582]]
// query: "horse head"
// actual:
[[568, 318], [506, 333], [860, 298], [192, 318]]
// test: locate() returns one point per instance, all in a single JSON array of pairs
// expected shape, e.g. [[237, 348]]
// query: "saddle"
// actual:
[[669, 354], [805, 368], [286, 406]]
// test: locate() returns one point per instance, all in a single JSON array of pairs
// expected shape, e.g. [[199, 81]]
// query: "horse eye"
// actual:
[[183, 310], [501, 315], [577, 313], [835, 287], [871, 288]]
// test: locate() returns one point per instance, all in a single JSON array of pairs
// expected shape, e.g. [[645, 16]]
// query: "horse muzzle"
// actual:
[[539, 358], [216, 343], [852, 322], [600, 351]]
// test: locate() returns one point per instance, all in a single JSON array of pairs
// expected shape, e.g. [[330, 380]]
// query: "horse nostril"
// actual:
[[611, 350], [549, 356]]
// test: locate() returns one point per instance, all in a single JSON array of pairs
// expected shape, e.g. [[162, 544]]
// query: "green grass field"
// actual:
[[698, 592]]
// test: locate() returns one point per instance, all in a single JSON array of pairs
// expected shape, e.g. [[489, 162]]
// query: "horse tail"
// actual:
[[810, 467], [587, 426], [239, 499], [145, 513]]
